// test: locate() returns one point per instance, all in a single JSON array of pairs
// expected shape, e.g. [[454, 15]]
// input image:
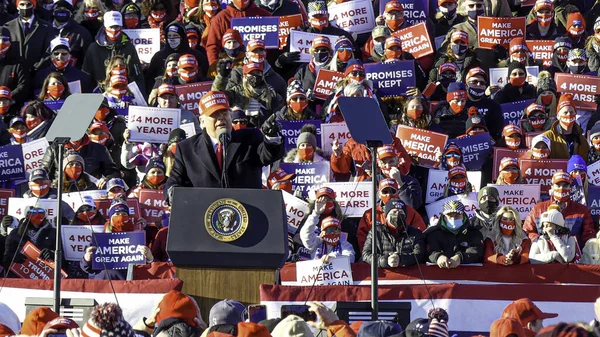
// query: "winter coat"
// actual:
[[70, 73], [489, 256], [470, 61], [451, 124], [313, 242], [13, 244], [271, 77], [308, 114], [467, 242], [15, 75], [577, 218], [221, 22], [593, 55], [238, 97], [442, 25], [159, 246], [485, 56], [483, 223], [557, 248], [491, 112], [35, 46], [79, 40], [559, 149], [292, 156], [102, 50], [108, 274], [533, 32], [409, 244], [413, 219], [510, 93], [238, 62], [591, 251]]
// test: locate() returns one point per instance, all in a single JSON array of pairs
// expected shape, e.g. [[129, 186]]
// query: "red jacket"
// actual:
[[364, 226], [491, 257], [221, 22], [159, 246], [577, 218]]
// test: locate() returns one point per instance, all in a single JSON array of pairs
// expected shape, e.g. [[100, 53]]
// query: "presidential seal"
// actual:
[[226, 220]]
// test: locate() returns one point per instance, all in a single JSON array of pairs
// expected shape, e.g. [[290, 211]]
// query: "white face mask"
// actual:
[[454, 224], [174, 43]]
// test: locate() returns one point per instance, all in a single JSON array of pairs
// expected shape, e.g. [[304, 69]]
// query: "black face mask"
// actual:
[[476, 92], [25, 13], [488, 207], [62, 15], [255, 81]]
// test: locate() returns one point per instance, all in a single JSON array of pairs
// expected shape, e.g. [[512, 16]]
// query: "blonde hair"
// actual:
[[496, 234], [79, 17]]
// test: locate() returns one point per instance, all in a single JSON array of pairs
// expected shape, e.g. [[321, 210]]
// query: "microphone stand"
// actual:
[[224, 140]]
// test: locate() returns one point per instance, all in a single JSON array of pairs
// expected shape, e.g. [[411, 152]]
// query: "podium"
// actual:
[[225, 243]]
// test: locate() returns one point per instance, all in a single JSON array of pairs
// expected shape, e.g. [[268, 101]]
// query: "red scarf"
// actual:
[[577, 250]]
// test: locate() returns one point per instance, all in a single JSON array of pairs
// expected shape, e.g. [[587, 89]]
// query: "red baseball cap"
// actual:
[[212, 102], [279, 175], [525, 311], [325, 191]]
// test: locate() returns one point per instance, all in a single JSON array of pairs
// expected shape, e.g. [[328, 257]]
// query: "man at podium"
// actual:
[[220, 157]]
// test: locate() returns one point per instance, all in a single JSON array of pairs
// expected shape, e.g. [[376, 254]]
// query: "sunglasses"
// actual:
[[35, 211], [388, 191], [357, 73], [452, 155], [240, 121]]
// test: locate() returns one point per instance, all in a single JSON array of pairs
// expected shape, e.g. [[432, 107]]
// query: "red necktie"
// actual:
[[220, 155]]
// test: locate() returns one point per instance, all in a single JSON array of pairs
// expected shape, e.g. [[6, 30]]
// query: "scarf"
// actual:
[[323, 249], [35, 233]]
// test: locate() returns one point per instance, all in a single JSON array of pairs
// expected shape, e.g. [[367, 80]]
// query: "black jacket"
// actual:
[[271, 77], [410, 246], [492, 113], [70, 73], [108, 274], [451, 124], [196, 162], [35, 46], [510, 93], [79, 40], [533, 32], [469, 62], [15, 75], [468, 242], [97, 160], [45, 239]]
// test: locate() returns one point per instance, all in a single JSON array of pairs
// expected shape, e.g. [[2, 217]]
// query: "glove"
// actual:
[[271, 128], [224, 67], [310, 95], [20, 258], [47, 254], [7, 221], [500, 52], [597, 99], [288, 57]]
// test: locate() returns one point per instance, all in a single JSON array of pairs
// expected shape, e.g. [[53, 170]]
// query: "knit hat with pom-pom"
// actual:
[[107, 320], [438, 323]]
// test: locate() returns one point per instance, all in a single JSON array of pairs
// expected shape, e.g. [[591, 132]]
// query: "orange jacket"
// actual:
[[491, 257]]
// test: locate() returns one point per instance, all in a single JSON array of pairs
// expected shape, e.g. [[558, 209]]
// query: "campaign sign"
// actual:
[[16, 207], [492, 31], [499, 76], [102, 205], [262, 28], [513, 111], [75, 87], [332, 131], [438, 41], [189, 94], [593, 199], [153, 205], [415, 11], [475, 150], [521, 197], [118, 250], [325, 83], [33, 152], [302, 41], [354, 198], [391, 79], [540, 172], [582, 87], [54, 105], [291, 130], [435, 208], [593, 173], [33, 267], [314, 272], [502, 152], [76, 239], [189, 128], [353, 16], [308, 176], [4, 196], [296, 210], [76, 199], [287, 23], [415, 40], [152, 125], [146, 42], [438, 180], [542, 50], [529, 137], [11, 163], [426, 145]]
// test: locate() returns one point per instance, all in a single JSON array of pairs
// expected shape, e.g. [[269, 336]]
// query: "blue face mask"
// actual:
[[379, 47], [459, 50], [446, 81], [476, 92], [233, 53], [475, 13], [577, 69], [454, 224]]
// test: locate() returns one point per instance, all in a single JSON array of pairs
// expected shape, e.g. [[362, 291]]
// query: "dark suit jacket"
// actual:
[[35, 46], [196, 162]]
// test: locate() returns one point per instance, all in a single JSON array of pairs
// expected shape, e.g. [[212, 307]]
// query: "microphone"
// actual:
[[223, 136], [224, 139]]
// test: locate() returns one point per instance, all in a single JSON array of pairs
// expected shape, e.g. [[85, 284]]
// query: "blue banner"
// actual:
[[475, 149], [263, 28], [54, 105], [12, 164], [118, 250], [291, 129], [593, 201], [309, 177], [393, 78], [415, 11], [513, 111]]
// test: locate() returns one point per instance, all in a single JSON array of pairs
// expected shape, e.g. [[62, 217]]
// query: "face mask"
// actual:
[[187, 76], [476, 92], [118, 93], [37, 219], [562, 56], [329, 207], [298, 107], [306, 153], [394, 24], [86, 216], [547, 99], [254, 81], [155, 180], [322, 57], [91, 14], [32, 123], [512, 144], [62, 15], [576, 32], [596, 144], [233, 53], [332, 239], [457, 186], [239, 126], [518, 81], [516, 58], [475, 13], [121, 223], [459, 50], [488, 206], [562, 195], [4, 109], [510, 177], [393, 54], [193, 41], [583, 176], [452, 162], [158, 15], [454, 224], [210, 9], [255, 57], [132, 23], [61, 65], [379, 47], [544, 19], [318, 23], [20, 135], [39, 190], [174, 43], [56, 91], [355, 79], [578, 69], [100, 139], [414, 113], [448, 12], [73, 172], [507, 227], [540, 154], [538, 123], [344, 56], [113, 34], [25, 13], [456, 108], [567, 121], [446, 82]]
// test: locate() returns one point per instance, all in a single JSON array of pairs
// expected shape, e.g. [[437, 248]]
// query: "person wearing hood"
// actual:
[[30, 34], [547, 93], [231, 57], [543, 27], [14, 73], [451, 115], [306, 150], [577, 169], [458, 183], [509, 172], [222, 21], [565, 135], [488, 199], [454, 226], [297, 107], [556, 244], [132, 16], [446, 17], [594, 141], [562, 46], [61, 60], [177, 42], [576, 29], [517, 89], [193, 34], [507, 244], [110, 41], [322, 54], [442, 76], [78, 37], [451, 157], [398, 243], [379, 34]]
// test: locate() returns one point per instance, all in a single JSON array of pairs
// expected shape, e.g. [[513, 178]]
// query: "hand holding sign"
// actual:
[[394, 260], [336, 147]]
